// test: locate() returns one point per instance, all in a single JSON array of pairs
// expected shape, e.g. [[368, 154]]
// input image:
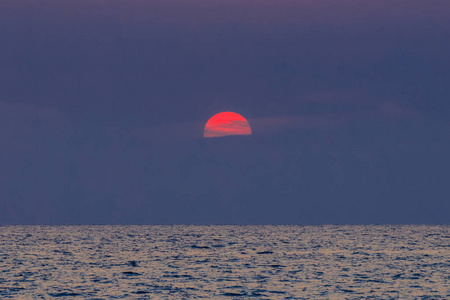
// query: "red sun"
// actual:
[[227, 123]]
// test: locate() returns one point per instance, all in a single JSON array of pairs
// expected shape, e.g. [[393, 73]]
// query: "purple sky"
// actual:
[[103, 105]]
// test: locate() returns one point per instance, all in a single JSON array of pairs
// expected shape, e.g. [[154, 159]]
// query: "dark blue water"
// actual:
[[222, 262]]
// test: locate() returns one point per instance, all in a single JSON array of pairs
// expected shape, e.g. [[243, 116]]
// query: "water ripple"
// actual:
[[205, 262]]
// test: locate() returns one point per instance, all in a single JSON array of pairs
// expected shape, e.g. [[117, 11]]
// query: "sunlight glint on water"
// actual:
[[268, 262]]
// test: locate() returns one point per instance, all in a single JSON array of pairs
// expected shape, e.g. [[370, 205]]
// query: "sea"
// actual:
[[225, 262]]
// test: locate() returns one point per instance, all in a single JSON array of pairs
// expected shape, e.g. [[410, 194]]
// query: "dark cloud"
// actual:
[[26, 126], [28, 115]]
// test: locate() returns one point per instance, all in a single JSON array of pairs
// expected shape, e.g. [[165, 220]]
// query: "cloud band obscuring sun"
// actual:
[[227, 123]]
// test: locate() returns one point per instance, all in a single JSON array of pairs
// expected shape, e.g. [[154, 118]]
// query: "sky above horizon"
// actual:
[[103, 106]]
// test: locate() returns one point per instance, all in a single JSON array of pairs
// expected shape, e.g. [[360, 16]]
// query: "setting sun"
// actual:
[[227, 123]]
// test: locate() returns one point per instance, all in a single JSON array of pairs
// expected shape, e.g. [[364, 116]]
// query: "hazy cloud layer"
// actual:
[[103, 106]]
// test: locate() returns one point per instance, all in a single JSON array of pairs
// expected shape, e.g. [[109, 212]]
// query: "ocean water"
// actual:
[[223, 262]]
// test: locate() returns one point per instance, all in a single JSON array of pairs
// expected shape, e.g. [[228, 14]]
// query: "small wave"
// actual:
[[132, 263], [128, 273], [141, 292], [265, 252], [234, 294], [277, 292], [199, 247], [64, 294]]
